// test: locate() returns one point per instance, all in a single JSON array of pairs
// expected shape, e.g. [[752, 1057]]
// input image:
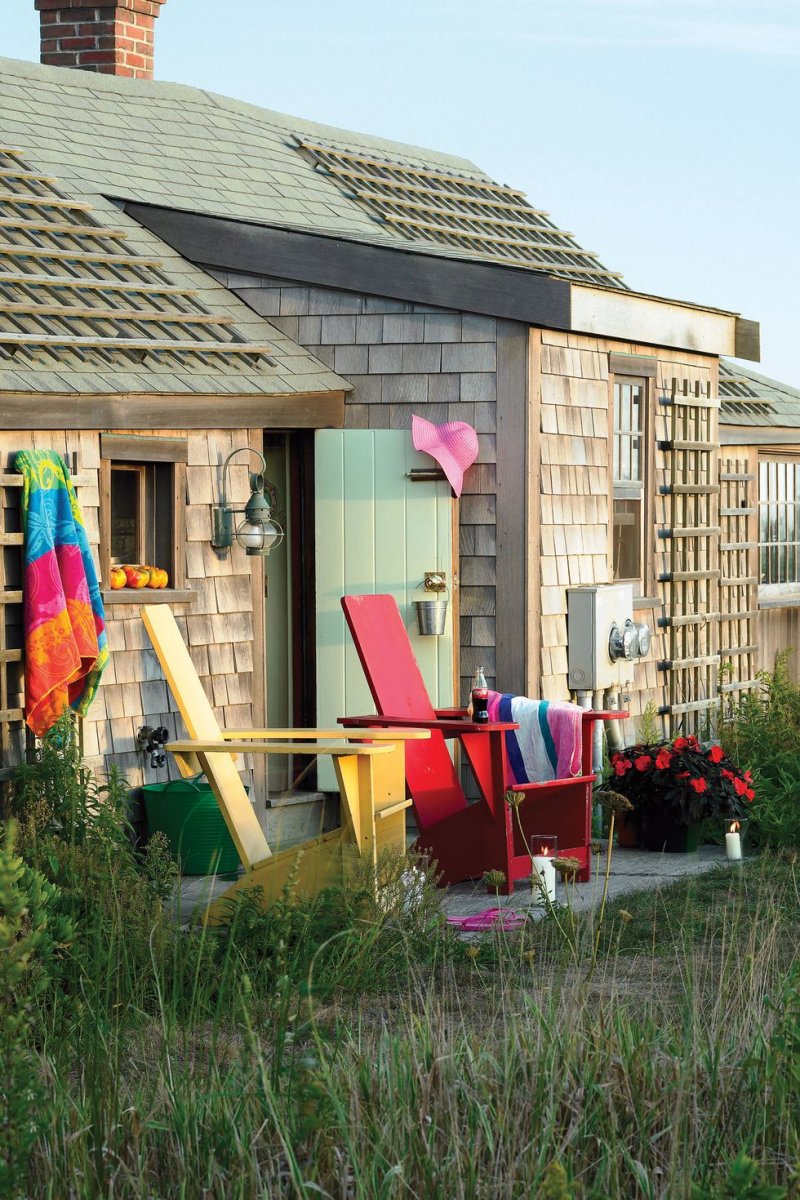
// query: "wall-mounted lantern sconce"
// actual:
[[258, 533]]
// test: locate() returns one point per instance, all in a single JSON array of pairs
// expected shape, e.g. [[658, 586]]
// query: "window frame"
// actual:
[[643, 583], [140, 451], [140, 470], [789, 588]]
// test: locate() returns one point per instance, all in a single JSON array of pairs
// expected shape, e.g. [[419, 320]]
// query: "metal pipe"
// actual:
[[597, 735], [584, 699], [613, 729]]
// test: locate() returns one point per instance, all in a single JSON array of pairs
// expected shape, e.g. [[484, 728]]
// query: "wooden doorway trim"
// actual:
[[256, 441]]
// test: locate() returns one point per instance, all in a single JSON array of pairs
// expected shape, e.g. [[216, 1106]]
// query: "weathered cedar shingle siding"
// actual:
[[404, 358], [218, 621]]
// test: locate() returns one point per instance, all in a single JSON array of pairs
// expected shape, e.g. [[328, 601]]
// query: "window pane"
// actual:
[[628, 428], [627, 539], [763, 522], [779, 522], [629, 471], [636, 469], [125, 508], [637, 424]]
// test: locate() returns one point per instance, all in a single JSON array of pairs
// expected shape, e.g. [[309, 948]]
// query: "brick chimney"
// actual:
[[114, 37]]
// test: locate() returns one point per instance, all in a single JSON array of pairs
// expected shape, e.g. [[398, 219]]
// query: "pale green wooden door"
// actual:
[[376, 532]]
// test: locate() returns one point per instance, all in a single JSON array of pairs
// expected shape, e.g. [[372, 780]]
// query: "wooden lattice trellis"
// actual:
[[15, 740], [739, 582], [12, 740], [690, 533]]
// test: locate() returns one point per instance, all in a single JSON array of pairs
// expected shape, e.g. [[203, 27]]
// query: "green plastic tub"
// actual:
[[186, 810]]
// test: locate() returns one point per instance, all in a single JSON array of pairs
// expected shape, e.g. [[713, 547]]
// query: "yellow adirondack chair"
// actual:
[[370, 770]]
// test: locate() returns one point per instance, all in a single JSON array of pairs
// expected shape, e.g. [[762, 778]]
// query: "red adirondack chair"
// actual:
[[465, 839]]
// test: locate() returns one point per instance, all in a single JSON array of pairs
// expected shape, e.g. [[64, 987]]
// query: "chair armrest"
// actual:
[[592, 714], [451, 714], [336, 749], [285, 735], [553, 784], [448, 728]]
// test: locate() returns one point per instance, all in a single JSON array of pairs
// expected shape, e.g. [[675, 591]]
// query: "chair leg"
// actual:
[[567, 814], [369, 787], [471, 842], [306, 870]]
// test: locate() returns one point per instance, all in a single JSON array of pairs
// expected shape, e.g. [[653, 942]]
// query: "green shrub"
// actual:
[[75, 830], [742, 1183], [762, 732], [32, 940]]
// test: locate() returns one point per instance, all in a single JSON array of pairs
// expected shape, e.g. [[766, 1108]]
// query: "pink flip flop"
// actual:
[[489, 918]]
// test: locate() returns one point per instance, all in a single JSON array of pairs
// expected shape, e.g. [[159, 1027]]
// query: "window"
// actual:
[[630, 471], [142, 514], [779, 522], [142, 508]]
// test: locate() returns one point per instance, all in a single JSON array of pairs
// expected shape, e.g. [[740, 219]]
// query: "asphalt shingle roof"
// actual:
[[45, 348], [748, 398], [181, 147]]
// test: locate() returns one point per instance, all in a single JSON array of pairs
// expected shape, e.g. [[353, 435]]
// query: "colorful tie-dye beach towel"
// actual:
[[66, 647]]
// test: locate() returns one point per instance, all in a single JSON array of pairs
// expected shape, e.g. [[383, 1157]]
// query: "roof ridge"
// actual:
[[156, 88]]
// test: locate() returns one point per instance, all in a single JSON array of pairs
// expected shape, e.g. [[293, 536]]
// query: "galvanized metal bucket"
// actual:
[[431, 605]]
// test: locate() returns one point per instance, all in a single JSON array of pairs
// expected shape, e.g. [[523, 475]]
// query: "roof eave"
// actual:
[[659, 321], [298, 410]]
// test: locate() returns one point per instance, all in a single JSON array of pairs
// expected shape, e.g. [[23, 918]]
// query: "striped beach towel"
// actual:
[[66, 647], [547, 744]]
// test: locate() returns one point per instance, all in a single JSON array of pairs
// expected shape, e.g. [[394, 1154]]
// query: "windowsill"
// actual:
[[147, 595], [779, 599]]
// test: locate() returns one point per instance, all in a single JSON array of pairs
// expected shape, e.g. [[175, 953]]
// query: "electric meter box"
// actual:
[[592, 613]]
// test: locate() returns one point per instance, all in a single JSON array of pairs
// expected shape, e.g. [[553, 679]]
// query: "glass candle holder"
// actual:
[[544, 849], [735, 836]]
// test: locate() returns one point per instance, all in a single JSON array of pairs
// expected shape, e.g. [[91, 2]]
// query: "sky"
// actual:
[[662, 133]]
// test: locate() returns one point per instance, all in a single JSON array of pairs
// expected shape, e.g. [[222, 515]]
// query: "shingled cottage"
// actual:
[[183, 275]]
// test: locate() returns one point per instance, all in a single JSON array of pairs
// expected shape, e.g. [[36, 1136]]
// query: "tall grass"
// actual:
[[514, 1073], [358, 1050]]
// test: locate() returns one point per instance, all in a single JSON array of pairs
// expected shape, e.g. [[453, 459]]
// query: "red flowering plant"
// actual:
[[681, 780]]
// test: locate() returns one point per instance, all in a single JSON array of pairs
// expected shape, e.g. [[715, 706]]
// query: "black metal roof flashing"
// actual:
[[465, 284]]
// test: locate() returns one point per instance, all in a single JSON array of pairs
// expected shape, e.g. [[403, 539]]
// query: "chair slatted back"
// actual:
[[202, 725], [398, 689]]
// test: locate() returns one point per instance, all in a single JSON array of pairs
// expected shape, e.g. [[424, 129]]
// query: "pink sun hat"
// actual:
[[454, 445]]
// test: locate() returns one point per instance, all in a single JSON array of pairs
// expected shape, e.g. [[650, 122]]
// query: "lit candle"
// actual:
[[733, 842], [544, 875]]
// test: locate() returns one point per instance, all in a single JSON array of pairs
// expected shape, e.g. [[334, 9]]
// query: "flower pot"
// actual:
[[662, 833], [628, 831]]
